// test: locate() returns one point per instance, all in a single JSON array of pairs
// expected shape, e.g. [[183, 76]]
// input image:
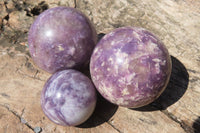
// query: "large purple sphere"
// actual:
[[61, 38], [68, 98], [130, 67]]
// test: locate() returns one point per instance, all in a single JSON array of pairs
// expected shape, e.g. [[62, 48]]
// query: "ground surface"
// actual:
[[175, 22]]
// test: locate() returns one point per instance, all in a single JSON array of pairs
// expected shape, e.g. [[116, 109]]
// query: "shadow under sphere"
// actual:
[[175, 89], [196, 125], [104, 110]]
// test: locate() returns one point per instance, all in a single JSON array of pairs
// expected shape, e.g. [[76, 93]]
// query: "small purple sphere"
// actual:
[[68, 98], [61, 38], [130, 67]]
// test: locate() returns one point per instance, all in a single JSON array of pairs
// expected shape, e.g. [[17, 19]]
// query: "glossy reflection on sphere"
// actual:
[[61, 38], [68, 98], [130, 67]]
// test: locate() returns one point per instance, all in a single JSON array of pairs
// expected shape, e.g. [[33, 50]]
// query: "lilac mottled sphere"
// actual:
[[130, 67], [61, 38], [68, 98]]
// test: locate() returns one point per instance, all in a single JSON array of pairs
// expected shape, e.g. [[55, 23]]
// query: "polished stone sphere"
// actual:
[[130, 67], [68, 98], [61, 38]]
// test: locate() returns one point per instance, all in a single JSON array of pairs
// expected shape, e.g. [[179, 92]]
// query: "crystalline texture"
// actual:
[[130, 67]]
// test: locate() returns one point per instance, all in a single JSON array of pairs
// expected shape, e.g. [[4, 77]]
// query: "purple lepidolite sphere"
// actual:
[[68, 98], [130, 67], [61, 38]]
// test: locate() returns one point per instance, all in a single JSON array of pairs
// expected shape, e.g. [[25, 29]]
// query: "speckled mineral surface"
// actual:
[[68, 98], [61, 38], [130, 67]]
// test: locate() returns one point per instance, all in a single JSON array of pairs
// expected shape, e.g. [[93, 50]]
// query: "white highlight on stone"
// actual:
[[122, 80], [157, 66], [113, 42], [136, 85], [140, 47], [136, 35], [102, 64], [49, 33], [151, 47], [96, 50], [119, 60], [163, 62], [133, 98], [110, 60], [120, 56], [129, 78], [58, 95], [120, 101], [151, 87], [125, 92], [71, 51], [156, 60]]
